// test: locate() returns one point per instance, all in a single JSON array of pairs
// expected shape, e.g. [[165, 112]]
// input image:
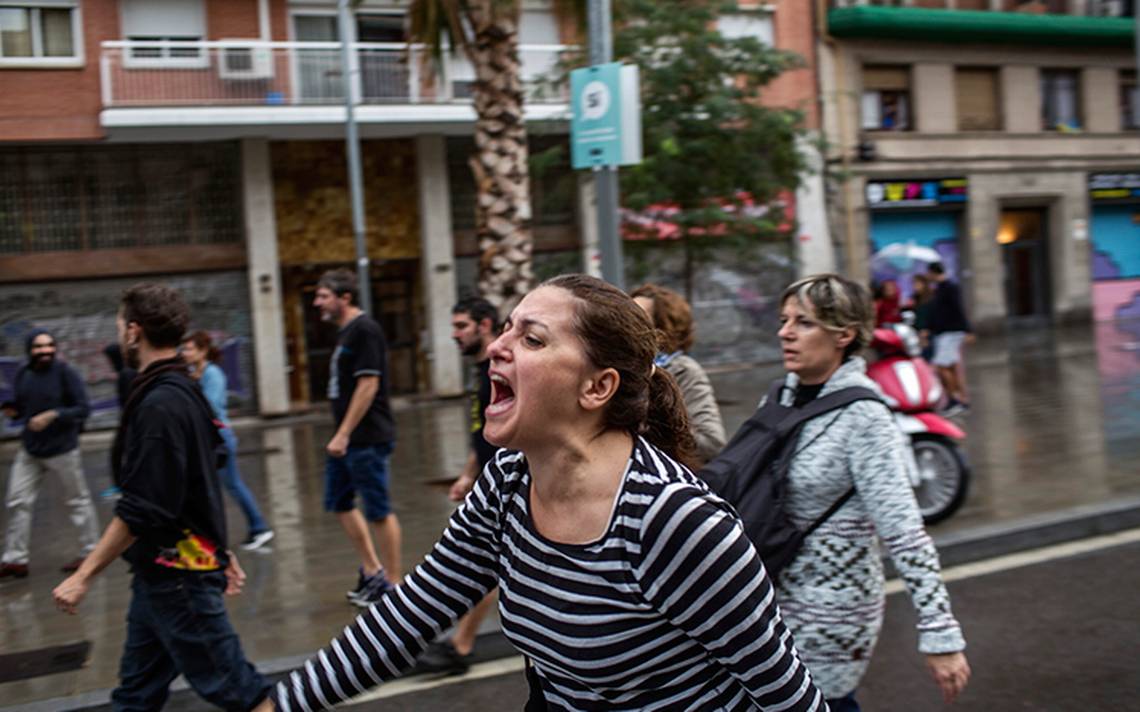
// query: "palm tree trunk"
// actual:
[[499, 163]]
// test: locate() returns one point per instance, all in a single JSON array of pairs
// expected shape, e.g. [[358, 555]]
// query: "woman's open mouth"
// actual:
[[502, 396]]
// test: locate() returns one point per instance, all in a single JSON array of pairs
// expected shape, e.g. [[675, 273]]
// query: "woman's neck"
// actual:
[[575, 485]]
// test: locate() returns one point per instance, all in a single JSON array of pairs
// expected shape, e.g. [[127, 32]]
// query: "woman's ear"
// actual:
[[844, 338], [599, 389]]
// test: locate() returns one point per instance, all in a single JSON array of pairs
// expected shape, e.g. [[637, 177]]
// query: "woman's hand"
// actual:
[[951, 672], [265, 706]]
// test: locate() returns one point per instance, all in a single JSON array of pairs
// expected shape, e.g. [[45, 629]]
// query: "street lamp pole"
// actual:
[[352, 144], [605, 177]]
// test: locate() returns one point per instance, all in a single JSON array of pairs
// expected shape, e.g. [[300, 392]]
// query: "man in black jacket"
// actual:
[[51, 401], [169, 524]]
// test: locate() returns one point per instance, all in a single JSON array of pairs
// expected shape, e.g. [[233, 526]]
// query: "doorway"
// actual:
[[383, 69], [394, 306], [1024, 242]]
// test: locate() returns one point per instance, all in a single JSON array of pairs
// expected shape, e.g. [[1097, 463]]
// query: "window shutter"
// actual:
[[881, 78], [977, 91]]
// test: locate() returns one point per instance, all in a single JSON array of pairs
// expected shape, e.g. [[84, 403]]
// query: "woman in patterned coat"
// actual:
[[832, 594]]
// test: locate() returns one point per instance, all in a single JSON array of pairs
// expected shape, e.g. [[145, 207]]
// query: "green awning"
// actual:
[[978, 27]]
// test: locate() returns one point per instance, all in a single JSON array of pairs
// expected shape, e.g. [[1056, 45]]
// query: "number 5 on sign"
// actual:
[[605, 123]]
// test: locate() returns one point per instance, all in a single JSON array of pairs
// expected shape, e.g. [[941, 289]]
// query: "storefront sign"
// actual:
[[916, 193], [1114, 186]]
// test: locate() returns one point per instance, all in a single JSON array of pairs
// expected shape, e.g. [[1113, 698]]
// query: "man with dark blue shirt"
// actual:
[[358, 452], [51, 402], [949, 329]]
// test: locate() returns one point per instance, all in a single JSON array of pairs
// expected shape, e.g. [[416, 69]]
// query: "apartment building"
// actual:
[[200, 143], [1003, 137]]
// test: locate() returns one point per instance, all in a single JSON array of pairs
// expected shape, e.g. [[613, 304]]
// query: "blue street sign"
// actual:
[[596, 116]]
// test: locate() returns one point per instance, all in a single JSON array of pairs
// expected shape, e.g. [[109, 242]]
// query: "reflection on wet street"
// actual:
[[1055, 424]]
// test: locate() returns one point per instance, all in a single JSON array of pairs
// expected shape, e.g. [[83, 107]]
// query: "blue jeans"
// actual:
[[363, 469], [178, 624], [231, 478], [846, 703]]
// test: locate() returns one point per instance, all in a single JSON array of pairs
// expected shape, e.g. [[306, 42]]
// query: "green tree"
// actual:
[[712, 150], [486, 33]]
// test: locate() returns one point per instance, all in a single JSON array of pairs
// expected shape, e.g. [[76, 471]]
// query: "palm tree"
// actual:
[[486, 33]]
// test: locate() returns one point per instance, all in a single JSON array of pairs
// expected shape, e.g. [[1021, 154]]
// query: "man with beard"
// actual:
[[50, 399], [169, 524], [474, 325], [357, 454]]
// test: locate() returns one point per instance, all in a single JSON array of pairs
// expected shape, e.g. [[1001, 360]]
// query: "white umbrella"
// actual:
[[902, 256]]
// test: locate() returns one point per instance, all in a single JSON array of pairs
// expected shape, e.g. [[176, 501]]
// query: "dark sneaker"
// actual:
[[258, 540], [954, 407], [13, 570], [361, 582], [374, 589], [72, 566], [444, 658]]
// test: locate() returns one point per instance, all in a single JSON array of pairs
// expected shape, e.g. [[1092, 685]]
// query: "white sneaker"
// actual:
[[258, 540]]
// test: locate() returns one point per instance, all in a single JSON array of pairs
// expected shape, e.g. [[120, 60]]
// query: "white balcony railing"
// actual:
[[253, 73]]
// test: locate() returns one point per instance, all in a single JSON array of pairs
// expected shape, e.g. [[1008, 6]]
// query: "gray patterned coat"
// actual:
[[831, 595]]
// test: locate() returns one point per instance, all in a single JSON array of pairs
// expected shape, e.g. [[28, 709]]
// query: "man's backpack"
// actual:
[[750, 472]]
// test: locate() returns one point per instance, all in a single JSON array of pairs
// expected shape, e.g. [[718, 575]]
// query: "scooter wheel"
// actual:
[[944, 477]]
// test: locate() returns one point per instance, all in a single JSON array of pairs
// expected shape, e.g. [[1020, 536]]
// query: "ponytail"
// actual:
[[667, 422]]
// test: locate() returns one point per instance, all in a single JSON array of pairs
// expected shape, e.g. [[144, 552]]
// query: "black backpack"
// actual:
[[749, 473]]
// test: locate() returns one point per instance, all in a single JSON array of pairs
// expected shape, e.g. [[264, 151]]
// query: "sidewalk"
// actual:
[[1054, 444]]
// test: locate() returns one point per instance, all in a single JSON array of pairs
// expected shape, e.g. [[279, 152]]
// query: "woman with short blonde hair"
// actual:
[[832, 593]]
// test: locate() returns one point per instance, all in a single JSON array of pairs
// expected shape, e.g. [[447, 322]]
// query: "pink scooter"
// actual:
[[913, 392]]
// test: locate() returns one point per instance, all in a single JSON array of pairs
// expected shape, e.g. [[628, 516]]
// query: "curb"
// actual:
[[960, 547]]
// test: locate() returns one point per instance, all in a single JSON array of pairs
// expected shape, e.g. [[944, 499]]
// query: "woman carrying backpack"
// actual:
[[832, 593]]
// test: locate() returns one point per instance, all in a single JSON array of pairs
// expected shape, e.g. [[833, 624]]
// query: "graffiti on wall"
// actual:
[[81, 316], [1116, 262]]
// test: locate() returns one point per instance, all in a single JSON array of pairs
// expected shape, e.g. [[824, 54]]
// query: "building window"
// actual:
[[754, 24], [1129, 101], [1060, 100], [119, 197], [886, 98], [39, 33], [979, 105], [167, 32]]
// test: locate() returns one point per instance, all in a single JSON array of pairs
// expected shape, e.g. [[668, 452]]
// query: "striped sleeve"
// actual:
[[700, 571], [386, 639]]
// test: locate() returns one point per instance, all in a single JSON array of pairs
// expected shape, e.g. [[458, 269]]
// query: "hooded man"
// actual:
[[51, 402]]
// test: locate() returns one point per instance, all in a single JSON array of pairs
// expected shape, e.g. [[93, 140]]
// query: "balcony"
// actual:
[[210, 83]]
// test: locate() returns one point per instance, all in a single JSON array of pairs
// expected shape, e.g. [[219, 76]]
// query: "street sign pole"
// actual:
[[352, 144], [605, 177]]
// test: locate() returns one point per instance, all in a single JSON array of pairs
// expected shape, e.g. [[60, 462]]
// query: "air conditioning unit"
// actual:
[[245, 63]]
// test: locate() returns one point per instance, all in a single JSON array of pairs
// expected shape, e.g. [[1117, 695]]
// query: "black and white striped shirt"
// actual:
[[670, 610]]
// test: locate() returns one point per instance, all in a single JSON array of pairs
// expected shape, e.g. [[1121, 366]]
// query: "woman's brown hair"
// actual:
[[617, 334], [671, 315], [203, 341]]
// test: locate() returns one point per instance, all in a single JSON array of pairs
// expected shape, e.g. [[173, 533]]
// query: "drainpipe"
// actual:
[[844, 153], [263, 31]]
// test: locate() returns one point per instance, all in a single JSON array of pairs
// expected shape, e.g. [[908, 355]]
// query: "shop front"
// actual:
[[914, 222]]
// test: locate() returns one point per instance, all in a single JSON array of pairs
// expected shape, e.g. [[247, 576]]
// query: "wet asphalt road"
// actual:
[[1061, 636]]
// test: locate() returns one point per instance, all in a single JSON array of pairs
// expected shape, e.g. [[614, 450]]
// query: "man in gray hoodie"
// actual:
[[51, 402]]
